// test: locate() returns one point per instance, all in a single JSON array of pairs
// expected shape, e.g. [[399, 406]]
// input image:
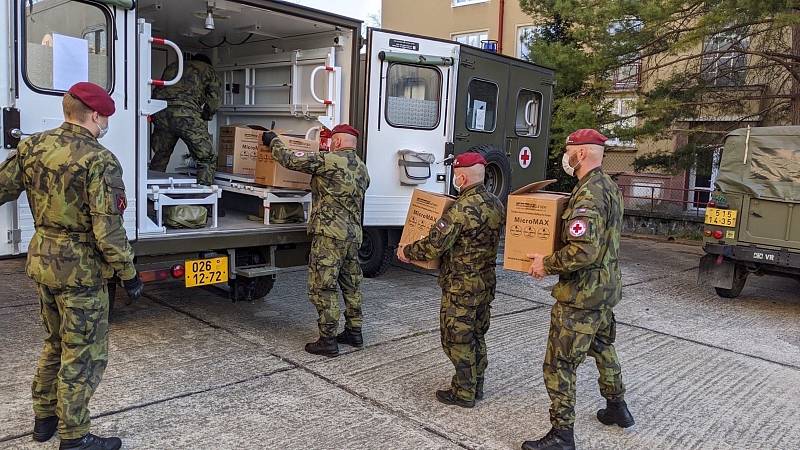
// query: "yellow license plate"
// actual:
[[202, 272], [721, 217]]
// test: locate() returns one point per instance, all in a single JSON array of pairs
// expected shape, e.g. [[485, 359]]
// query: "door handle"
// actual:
[[756, 214], [16, 133]]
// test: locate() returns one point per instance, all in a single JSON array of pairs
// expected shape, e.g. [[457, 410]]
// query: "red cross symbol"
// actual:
[[578, 228], [524, 157]]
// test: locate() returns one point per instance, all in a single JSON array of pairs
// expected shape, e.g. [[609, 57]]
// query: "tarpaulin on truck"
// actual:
[[763, 162]]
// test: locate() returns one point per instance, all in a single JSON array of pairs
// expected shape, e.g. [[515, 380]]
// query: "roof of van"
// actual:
[[763, 162], [309, 13], [767, 131]]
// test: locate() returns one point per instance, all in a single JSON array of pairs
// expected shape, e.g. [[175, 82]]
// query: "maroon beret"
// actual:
[[346, 129], [586, 136], [469, 159], [94, 97]]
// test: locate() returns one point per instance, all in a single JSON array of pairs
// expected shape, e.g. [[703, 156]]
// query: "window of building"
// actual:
[[529, 113], [721, 64], [473, 39], [481, 106], [96, 37], [625, 109], [626, 76], [66, 43], [525, 36], [467, 2], [413, 96]]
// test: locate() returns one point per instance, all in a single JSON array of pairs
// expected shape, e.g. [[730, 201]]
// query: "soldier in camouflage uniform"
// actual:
[[338, 183], [582, 319], [77, 198], [190, 104], [466, 238]]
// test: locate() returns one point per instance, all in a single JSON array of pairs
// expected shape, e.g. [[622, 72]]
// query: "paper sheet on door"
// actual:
[[479, 114], [70, 61]]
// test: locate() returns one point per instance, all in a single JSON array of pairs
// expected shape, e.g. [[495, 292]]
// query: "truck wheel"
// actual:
[[739, 279], [498, 171], [251, 289], [374, 254]]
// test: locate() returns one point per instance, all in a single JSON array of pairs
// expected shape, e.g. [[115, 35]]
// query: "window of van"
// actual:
[[413, 95], [481, 106], [529, 113], [66, 42]]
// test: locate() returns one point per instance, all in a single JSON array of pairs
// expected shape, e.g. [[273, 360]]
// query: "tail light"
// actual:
[[717, 234], [154, 275], [707, 233], [178, 271]]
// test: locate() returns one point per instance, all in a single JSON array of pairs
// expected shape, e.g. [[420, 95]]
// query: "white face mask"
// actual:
[[102, 131], [456, 185], [565, 165]]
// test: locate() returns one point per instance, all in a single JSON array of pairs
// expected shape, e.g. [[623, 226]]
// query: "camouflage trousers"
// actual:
[[333, 264], [74, 355], [177, 123], [575, 333], [463, 323]]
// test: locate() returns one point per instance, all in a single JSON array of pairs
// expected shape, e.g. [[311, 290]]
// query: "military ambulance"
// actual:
[[418, 100], [752, 223]]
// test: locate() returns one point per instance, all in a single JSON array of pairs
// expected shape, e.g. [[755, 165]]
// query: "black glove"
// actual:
[[267, 137], [206, 115], [134, 287]]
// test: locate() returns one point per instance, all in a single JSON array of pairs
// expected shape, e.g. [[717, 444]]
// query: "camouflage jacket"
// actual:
[[77, 197], [198, 90], [338, 182], [588, 265], [466, 237]]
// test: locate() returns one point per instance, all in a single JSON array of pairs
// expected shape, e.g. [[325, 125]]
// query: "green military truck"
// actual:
[[752, 222]]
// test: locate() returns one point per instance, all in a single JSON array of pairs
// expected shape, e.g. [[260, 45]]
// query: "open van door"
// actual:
[[410, 84], [60, 43]]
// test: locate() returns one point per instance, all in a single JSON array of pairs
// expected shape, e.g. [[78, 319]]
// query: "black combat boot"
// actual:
[[91, 442], [447, 397], [44, 429], [555, 439], [616, 413], [351, 337], [325, 346]]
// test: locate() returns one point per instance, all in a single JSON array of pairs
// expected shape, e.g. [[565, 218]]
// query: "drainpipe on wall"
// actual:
[[501, 20]]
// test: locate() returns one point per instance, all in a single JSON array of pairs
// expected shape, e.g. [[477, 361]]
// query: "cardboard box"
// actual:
[[425, 210], [270, 173], [238, 149], [533, 224]]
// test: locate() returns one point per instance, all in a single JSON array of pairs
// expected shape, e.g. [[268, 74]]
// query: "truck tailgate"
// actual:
[[771, 222]]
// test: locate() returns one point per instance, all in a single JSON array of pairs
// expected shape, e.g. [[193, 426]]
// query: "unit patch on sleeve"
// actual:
[[578, 227], [122, 203]]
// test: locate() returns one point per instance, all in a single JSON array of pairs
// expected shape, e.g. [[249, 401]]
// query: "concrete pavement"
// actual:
[[189, 369]]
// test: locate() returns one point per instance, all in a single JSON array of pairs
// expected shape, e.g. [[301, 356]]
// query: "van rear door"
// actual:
[[410, 83], [530, 97], [60, 43], [770, 222]]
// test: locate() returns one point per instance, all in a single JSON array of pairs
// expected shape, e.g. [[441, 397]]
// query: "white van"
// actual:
[[282, 66]]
